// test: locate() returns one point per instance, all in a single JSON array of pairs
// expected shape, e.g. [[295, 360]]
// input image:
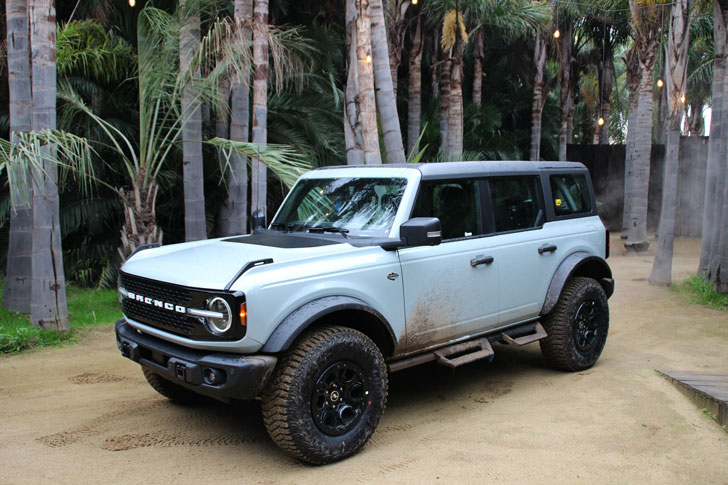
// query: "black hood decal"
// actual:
[[283, 240]]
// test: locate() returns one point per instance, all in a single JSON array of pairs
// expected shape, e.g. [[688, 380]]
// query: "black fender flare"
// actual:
[[301, 318], [574, 264]]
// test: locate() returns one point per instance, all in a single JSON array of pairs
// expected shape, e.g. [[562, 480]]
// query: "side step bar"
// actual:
[[477, 349], [455, 355]]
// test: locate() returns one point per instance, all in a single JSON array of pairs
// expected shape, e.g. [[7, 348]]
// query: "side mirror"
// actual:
[[257, 219], [421, 231]]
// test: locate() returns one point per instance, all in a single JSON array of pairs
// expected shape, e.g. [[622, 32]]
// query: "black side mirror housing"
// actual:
[[257, 219], [421, 231]]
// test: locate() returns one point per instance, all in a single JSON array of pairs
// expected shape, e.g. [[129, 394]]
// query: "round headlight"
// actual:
[[219, 326]]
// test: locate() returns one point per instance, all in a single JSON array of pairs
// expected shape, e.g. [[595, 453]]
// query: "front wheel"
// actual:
[[577, 326], [327, 395]]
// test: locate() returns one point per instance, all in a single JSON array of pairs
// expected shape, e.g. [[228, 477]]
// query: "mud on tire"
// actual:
[[577, 326], [326, 396], [170, 390]]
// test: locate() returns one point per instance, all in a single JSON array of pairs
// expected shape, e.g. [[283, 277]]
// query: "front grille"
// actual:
[[171, 320]]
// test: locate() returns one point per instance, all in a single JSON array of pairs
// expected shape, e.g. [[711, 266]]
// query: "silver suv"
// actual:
[[365, 271]]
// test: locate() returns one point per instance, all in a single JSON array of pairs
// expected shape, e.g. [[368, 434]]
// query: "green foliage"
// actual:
[[85, 308], [702, 292]]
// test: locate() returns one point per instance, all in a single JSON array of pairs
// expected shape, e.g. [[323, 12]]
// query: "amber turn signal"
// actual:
[[243, 315]]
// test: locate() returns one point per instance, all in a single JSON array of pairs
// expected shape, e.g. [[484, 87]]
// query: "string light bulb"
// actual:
[[682, 98], [414, 2], [369, 58], [660, 83], [557, 34], [600, 121], [132, 3]]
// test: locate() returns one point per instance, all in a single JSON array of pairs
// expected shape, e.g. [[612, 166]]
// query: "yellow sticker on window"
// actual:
[[558, 202]]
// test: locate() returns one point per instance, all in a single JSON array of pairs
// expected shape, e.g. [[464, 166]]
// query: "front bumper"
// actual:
[[217, 375]]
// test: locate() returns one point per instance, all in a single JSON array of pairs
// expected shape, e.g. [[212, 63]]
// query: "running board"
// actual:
[[476, 350], [539, 333]]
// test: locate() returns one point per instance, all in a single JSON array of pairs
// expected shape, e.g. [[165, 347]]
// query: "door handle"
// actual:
[[481, 260], [547, 248]]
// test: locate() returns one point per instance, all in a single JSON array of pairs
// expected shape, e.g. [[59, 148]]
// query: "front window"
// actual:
[[352, 206]]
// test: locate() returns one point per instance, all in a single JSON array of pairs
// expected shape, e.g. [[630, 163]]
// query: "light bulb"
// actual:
[[660, 83], [600, 121], [369, 58], [682, 98], [557, 34], [414, 2], [132, 3]]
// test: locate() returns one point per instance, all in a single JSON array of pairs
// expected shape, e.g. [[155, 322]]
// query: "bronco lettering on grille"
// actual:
[[157, 303]]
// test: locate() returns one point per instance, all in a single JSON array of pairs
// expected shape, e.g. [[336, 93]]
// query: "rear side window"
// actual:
[[455, 203], [516, 203], [570, 194]]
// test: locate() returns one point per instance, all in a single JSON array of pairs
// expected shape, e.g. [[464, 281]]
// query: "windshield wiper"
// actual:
[[321, 229]]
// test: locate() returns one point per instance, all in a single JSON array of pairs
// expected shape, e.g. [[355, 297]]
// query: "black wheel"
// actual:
[[169, 389], [326, 395], [577, 326]]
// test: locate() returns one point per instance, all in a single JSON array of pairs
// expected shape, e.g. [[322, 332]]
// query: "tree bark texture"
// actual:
[[566, 96], [606, 79], [396, 26], [260, 104], [455, 104], [192, 169], [352, 120], [140, 218], [445, 73], [367, 104], [641, 150], [539, 60], [385, 94], [479, 56], [16, 294], [48, 291], [676, 77], [715, 180], [414, 91], [234, 212], [634, 76]]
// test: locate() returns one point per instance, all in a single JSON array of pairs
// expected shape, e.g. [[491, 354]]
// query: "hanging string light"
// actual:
[[414, 2], [368, 59], [557, 32], [132, 3], [660, 83]]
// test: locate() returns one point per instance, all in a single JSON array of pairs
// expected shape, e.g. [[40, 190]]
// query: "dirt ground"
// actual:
[[84, 414]]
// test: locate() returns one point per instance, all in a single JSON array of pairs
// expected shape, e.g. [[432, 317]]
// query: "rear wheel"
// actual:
[[577, 326], [326, 396], [170, 390]]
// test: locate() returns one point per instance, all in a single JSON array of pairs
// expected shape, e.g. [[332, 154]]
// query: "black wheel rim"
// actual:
[[339, 398], [586, 325]]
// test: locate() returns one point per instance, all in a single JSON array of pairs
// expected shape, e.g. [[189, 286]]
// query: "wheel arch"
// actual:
[[578, 264], [345, 311]]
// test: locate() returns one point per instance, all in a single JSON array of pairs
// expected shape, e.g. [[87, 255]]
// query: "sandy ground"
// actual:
[[83, 414]]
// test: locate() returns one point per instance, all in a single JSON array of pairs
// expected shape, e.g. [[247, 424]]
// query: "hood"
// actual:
[[214, 263]]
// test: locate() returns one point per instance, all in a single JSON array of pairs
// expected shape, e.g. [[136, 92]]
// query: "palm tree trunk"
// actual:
[[676, 70], [140, 218], [260, 103], [715, 181], [455, 104], [352, 120], [445, 102], [641, 150], [234, 212], [606, 81], [414, 92], [565, 63], [479, 54], [633, 80], [385, 98], [539, 59], [48, 287], [368, 113], [195, 226], [16, 295]]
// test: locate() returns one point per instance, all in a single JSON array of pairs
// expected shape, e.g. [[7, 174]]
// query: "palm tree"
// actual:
[[352, 120], [16, 295], [189, 44], [676, 80], [539, 61], [259, 176], [367, 105], [646, 23], [385, 93], [414, 91], [634, 79], [234, 211], [714, 251]]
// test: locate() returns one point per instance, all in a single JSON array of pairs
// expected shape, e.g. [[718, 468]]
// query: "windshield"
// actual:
[[349, 206]]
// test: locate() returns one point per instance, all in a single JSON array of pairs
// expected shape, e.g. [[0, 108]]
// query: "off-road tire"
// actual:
[[170, 390], [570, 345], [292, 405]]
